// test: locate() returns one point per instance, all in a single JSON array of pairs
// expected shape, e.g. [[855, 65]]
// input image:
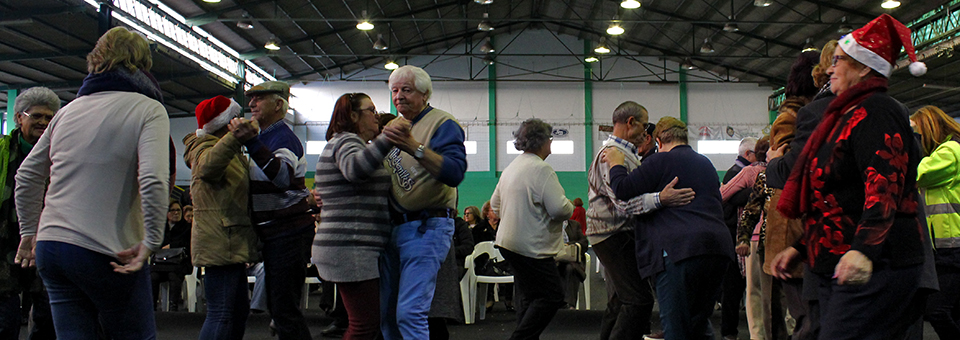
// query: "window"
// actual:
[[714, 147]]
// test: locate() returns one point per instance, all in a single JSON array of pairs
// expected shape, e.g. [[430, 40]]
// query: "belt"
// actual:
[[399, 218]]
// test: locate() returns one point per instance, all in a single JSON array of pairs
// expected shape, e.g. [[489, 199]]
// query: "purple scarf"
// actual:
[[121, 79]]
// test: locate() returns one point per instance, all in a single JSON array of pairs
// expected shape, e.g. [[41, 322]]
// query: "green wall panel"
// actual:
[[477, 187]]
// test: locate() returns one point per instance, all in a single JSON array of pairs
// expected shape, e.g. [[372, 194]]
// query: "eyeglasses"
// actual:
[[37, 116], [372, 110], [838, 58]]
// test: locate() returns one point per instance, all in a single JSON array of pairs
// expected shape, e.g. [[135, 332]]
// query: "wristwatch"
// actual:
[[419, 153]]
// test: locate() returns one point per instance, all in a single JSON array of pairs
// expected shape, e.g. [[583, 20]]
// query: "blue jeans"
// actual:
[[285, 264], [686, 291], [85, 291], [258, 300], [408, 276], [227, 302]]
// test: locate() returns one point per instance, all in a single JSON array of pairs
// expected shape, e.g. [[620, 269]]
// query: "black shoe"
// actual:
[[333, 331]]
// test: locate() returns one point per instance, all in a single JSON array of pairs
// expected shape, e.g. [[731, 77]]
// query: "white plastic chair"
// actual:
[[475, 293], [190, 284]]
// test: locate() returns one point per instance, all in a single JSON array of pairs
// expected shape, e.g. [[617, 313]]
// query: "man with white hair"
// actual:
[[745, 157], [426, 167]]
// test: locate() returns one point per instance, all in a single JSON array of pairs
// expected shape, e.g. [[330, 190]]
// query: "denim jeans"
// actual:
[[539, 293], [634, 294], [227, 302], [408, 276], [943, 307], [285, 263], [258, 300], [686, 291], [85, 291]]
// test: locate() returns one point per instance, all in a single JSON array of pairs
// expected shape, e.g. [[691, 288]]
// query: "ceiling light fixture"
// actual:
[[488, 60], [484, 25], [808, 46], [591, 59], [391, 65], [731, 27], [245, 25], [483, 2], [630, 4], [380, 44], [890, 4], [211, 1], [615, 29], [707, 47], [687, 64], [762, 3], [272, 45], [844, 26], [364, 24], [487, 47], [602, 47]]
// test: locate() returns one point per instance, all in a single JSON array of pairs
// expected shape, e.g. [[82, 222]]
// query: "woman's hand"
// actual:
[[743, 249], [783, 261], [612, 157], [132, 259], [854, 269], [26, 253]]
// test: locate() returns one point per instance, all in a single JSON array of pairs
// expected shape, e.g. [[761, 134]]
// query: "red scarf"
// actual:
[[795, 199]]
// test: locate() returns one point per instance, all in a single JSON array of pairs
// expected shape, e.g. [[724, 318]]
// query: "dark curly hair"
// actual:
[[532, 135], [800, 81]]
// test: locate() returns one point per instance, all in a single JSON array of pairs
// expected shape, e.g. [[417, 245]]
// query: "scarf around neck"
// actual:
[[121, 79], [795, 199]]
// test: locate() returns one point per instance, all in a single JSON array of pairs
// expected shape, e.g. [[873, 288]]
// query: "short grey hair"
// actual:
[[421, 79], [286, 104], [746, 144], [532, 135], [628, 109], [37, 96]]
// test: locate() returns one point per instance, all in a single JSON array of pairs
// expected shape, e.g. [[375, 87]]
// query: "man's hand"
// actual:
[[670, 197], [401, 137], [244, 129], [783, 261], [612, 157], [26, 253], [743, 249], [132, 259], [774, 153], [854, 269], [401, 123]]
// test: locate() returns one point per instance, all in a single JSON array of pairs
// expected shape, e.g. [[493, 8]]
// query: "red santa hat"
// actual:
[[214, 113], [877, 45]]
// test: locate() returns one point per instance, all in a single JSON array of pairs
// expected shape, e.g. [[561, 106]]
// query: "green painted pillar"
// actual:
[[683, 95], [492, 116], [8, 123], [773, 115], [587, 106]]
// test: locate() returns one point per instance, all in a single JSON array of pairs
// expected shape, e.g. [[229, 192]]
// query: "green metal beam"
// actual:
[[8, 121], [492, 116], [683, 95], [587, 106]]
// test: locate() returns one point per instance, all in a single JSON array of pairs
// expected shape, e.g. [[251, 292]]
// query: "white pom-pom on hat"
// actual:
[[918, 68]]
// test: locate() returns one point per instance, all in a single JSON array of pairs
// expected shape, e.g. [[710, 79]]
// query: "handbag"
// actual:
[[569, 253], [170, 257]]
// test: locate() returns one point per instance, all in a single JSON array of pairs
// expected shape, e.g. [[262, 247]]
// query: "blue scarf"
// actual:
[[121, 79]]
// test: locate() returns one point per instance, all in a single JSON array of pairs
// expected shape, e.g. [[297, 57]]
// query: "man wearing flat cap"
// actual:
[[279, 199]]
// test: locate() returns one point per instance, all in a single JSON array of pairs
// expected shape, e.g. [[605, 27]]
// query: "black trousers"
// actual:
[[539, 293], [630, 307], [734, 286]]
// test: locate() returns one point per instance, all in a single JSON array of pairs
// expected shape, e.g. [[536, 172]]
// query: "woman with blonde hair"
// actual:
[[938, 176], [107, 148]]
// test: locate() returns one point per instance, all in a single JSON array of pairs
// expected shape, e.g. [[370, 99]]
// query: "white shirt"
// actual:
[[107, 158], [532, 207]]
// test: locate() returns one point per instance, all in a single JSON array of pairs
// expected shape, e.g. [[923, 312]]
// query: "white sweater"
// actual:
[[106, 156], [532, 207]]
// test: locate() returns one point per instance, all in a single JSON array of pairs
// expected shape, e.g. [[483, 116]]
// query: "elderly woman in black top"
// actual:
[[685, 249], [854, 185]]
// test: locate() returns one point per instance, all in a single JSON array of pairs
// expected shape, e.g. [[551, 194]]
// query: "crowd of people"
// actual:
[[830, 220]]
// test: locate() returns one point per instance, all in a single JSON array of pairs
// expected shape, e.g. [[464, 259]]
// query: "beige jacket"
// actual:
[[222, 231]]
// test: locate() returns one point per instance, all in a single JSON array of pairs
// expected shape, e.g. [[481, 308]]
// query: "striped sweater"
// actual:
[[277, 189], [355, 223]]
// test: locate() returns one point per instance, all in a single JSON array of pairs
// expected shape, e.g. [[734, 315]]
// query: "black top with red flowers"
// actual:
[[864, 189]]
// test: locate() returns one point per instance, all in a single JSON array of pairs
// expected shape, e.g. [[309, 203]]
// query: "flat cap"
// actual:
[[278, 87]]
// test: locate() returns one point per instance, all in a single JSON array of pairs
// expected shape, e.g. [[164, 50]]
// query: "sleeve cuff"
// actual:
[[656, 200]]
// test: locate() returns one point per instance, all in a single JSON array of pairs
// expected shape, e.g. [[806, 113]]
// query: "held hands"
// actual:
[[244, 129], [612, 157], [132, 259], [26, 253], [671, 197], [397, 132], [854, 269], [783, 261]]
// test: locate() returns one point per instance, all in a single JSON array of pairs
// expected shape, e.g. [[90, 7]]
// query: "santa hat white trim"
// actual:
[[222, 119], [865, 56]]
